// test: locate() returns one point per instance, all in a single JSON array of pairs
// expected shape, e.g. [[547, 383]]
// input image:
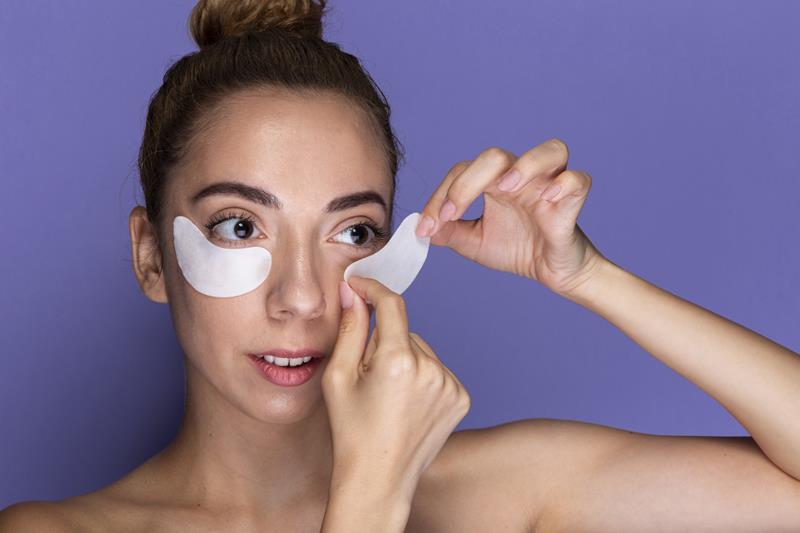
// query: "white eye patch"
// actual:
[[226, 272], [214, 270], [397, 264]]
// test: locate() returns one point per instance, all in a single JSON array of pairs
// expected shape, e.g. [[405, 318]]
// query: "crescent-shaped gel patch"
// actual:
[[214, 270], [397, 264]]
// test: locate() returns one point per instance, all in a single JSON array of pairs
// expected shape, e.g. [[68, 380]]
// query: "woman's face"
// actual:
[[307, 152]]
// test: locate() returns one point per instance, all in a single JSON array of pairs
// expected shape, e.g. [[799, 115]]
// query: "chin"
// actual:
[[286, 407]]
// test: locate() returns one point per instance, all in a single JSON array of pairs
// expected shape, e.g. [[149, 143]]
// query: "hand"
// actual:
[[521, 230], [392, 405]]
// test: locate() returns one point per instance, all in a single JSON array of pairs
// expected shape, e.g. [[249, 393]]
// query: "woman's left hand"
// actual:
[[524, 230]]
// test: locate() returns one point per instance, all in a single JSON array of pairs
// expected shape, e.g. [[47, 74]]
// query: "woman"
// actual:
[[271, 138]]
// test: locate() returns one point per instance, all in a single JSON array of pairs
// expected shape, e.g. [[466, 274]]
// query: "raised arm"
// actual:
[[578, 476], [754, 378], [529, 227]]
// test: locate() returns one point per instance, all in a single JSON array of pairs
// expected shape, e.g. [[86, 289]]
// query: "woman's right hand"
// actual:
[[393, 404]]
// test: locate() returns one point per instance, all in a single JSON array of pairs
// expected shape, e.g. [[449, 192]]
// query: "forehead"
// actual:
[[315, 144]]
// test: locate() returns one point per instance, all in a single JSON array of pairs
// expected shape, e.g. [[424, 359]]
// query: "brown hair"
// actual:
[[246, 44]]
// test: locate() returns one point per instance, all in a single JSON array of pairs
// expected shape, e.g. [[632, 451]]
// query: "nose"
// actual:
[[296, 287]]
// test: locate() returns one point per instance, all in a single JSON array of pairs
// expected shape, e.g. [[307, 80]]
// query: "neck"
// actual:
[[222, 456]]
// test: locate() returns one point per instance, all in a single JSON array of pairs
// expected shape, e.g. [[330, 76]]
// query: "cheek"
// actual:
[[212, 331]]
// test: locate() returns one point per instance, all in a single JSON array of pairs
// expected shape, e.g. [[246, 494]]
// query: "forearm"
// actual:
[[355, 507], [754, 378]]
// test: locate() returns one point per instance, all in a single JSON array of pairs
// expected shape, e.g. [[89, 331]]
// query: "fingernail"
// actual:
[[448, 210], [345, 295], [551, 191], [425, 226], [509, 180]]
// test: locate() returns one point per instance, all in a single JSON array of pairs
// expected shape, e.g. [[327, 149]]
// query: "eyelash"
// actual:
[[380, 235]]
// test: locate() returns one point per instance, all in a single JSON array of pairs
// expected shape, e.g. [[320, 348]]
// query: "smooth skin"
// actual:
[[608, 479], [251, 456], [392, 407]]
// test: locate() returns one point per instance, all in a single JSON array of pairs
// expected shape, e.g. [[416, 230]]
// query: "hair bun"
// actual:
[[212, 20]]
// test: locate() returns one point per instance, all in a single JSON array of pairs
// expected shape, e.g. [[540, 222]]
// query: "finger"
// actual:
[[431, 208], [543, 161], [425, 348], [574, 186], [465, 188], [353, 329], [369, 351], [570, 184], [391, 320], [423, 354]]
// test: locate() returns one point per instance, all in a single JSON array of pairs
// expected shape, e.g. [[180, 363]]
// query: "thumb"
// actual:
[[461, 235], [353, 330]]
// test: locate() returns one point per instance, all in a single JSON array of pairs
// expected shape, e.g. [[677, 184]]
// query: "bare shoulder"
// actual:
[[105, 509], [37, 516], [506, 475]]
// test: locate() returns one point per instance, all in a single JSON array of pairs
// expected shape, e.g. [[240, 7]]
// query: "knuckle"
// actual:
[[465, 407], [464, 400], [581, 180], [454, 194], [574, 181], [425, 346], [570, 175], [460, 166], [446, 380], [560, 146], [458, 389], [400, 365], [531, 158], [449, 389], [497, 156], [430, 370]]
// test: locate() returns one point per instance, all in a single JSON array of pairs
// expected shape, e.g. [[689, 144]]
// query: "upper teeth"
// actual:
[[286, 361]]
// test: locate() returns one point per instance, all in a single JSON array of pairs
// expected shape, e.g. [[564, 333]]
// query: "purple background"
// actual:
[[686, 115]]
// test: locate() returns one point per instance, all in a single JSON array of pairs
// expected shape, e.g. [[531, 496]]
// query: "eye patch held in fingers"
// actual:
[[214, 270], [226, 272], [397, 264]]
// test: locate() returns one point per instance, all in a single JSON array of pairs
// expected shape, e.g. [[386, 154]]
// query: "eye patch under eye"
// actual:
[[397, 264], [226, 272], [214, 270]]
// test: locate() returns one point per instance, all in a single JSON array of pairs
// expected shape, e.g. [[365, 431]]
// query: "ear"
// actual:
[[147, 260]]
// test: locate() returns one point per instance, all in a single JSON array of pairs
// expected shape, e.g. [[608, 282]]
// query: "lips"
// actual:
[[284, 352]]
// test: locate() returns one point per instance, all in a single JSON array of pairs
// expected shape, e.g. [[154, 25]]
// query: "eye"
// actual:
[[236, 228], [379, 235]]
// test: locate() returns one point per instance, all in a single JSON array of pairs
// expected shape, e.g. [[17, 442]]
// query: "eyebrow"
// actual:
[[267, 199]]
